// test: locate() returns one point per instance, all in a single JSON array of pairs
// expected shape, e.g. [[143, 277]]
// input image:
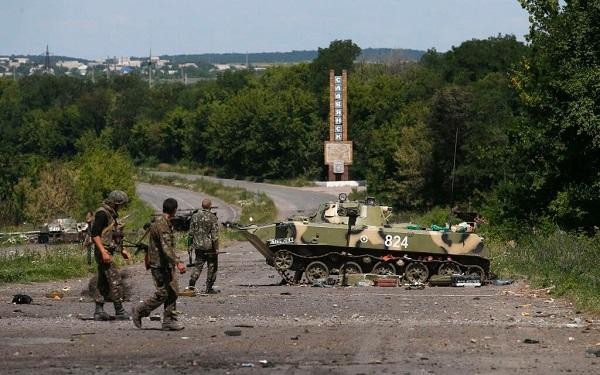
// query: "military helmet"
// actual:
[[117, 197]]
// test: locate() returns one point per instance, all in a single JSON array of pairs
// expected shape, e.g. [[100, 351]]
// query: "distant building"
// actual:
[[68, 64], [127, 69]]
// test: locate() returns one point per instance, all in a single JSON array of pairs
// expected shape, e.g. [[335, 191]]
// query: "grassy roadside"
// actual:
[[54, 263], [567, 263]]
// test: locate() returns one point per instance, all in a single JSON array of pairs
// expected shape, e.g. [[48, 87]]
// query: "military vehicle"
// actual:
[[62, 230], [345, 236]]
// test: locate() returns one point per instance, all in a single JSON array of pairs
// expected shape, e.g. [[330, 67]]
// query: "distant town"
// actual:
[[185, 68]]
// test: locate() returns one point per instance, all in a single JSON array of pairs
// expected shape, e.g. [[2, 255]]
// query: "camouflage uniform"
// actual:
[[109, 286], [204, 231], [162, 260]]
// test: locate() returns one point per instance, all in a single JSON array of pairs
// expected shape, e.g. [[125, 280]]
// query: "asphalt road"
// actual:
[[186, 199], [301, 329], [289, 200]]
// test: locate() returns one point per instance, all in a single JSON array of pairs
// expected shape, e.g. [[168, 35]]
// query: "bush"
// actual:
[[100, 171]]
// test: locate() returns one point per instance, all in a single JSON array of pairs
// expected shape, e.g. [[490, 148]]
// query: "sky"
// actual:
[[97, 29]]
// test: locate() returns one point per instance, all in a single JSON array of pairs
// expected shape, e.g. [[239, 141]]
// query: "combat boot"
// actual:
[[99, 313], [171, 324], [211, 291], [136, 317], [120, 313]]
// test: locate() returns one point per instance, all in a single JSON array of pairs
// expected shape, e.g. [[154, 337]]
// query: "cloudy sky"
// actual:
[[93, 29]]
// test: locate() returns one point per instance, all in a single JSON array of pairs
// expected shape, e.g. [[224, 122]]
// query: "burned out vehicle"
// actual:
[[62, 230], [356, 237]]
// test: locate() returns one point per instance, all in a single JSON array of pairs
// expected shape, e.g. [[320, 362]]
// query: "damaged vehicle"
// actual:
[[62, 230], [356, 237]]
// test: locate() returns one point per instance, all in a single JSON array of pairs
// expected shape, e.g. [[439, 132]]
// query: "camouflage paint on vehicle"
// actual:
[[359, 232]]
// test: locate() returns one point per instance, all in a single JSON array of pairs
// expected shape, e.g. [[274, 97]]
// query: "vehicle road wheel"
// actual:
[[283, 260], [448, 269], [416, 273], [476, 271], [315, 271], [350, 267], [382, 268], [43, 238]]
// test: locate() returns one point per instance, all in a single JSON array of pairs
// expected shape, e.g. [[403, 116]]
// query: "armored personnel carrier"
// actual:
[[355, 237]]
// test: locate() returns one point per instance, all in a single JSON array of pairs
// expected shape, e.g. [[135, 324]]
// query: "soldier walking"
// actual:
[[162, 260], [107, 237], [204, 231]]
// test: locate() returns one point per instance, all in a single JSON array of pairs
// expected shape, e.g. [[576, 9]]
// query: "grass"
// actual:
[[42, 265], [138, 213], [570, 263]]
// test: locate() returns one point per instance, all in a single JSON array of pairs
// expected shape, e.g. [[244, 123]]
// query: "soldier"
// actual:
[[204, 231], [107, 237], [162, 260]]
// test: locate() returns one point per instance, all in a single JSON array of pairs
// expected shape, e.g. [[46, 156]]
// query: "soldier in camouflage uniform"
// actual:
[[107, 237], [162, 260], [204, 231]]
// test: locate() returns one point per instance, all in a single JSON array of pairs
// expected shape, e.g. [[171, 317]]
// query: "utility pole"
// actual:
[[150, 69], [14, 73], [47, 61], [107, 69], [93, 73]]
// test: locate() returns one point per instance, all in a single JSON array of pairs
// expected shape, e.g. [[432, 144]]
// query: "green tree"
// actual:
[[556, 148], [99, 171], [340, 55]]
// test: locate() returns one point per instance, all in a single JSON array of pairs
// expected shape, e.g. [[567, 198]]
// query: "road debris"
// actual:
[[55, 294], [22, 299], [592, 352], [233, 332], [531, 341]]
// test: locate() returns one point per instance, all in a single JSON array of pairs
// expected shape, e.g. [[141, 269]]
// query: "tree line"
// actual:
[[496, 125]]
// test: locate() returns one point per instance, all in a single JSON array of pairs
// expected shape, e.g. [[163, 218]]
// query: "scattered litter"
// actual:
[[531, 341], [233, 332], [66, 288], [286, 294], [265, 363], [364, 283], [571, 339], [415, 286], [22, 299], [295, 338], [501, 282], [212, 320], [385, 282], [524, 313], [83, 333], [473, 341], [185, 337], [187, 293], [55, 294], [247, 364], [592, 352], [320, 283]]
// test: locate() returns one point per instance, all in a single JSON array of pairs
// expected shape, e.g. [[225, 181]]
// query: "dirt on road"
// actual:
[[256, 326]]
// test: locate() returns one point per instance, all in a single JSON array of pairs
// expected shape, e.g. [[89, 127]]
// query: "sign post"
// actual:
[[338, 150]]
